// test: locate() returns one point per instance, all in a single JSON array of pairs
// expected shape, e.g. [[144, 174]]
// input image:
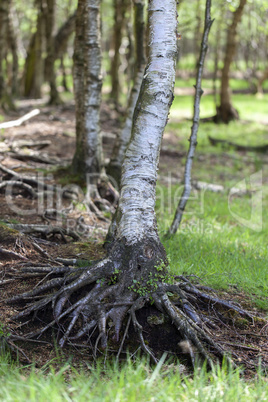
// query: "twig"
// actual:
[[193, 139]]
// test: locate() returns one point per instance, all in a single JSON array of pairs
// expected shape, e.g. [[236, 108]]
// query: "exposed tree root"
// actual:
[[45, 230], [101, 296]]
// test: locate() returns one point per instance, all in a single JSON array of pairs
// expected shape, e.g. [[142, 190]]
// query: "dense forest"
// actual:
[[133, 187]]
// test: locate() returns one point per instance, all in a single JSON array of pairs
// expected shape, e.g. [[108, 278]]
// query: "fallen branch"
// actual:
[[258, 148], [12, 254], [21, 120]]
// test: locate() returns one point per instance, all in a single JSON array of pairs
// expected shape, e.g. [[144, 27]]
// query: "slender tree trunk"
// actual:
[[120, 7], [50, 47], [88, 158], [193, 138], [5, 98], [34, 65], [78, 78], [115, 165], [62, 36], [13, 45], [3, 31], [226, 112], [261, 80]]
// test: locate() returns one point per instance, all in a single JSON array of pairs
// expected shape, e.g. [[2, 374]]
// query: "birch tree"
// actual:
[[88, 159], [134, 273]]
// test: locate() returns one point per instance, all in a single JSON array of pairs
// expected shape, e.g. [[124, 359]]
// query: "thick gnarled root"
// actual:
[[98, 299]]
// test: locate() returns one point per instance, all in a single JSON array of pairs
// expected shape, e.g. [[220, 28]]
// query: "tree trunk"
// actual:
[[34, 65], [115, 165], [88, 159], [226, 112], [261, 80], [120, 7], [5, 100], [13, 45], [50, 59], [78, 78], [62, 36]]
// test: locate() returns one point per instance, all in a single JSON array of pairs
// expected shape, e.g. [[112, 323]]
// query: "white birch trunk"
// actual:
[[94, 160], [88, 159], [136, 219]]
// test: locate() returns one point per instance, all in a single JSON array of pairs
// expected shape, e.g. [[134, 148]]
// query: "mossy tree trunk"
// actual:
[[225, 111], [34, 65]]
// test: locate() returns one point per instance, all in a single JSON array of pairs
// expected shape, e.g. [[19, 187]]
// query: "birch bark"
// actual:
[[136, 219], [88, 159]]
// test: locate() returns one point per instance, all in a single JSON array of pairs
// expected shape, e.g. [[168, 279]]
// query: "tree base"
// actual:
[[225, 114]]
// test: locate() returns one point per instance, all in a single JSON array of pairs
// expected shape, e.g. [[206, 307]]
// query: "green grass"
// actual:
[[218, 240], [132, 382], [250, 107]]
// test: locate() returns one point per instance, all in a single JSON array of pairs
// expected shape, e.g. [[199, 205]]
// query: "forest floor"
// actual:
[[56, 127]]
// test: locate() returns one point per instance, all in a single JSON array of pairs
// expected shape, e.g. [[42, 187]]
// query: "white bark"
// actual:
[[136, 216], [94, 158]]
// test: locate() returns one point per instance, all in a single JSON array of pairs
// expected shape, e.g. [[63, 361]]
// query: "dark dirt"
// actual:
[[246, 339]]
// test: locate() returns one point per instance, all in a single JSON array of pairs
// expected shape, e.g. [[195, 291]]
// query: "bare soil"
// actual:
[[247, 340]]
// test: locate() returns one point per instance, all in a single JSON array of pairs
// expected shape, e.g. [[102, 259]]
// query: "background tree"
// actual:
[[225, 111], [5, 100], [34, 64], [117, 157], [50, 75], [88, 159], [120, 8]]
